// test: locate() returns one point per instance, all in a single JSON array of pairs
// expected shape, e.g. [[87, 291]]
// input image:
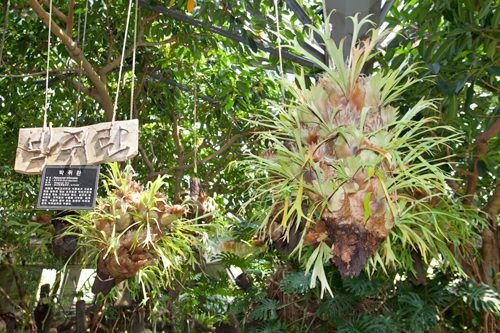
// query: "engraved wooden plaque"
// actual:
[[89, 145]]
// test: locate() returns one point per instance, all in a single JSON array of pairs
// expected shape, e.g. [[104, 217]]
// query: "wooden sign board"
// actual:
[[68, 187], [95, 144]]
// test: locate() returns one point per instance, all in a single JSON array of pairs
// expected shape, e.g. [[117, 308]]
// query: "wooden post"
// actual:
[[81, 324], [43, 310]]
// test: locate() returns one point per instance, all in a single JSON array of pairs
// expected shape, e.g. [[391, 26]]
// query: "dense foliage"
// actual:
[[195, 91]]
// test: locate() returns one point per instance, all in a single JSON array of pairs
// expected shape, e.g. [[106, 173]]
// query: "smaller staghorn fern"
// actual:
[[134, 229]]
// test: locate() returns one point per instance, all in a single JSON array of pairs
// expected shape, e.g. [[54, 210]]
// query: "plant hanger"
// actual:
[[122, 59], [49, 39], [89, 145], [78, 103]]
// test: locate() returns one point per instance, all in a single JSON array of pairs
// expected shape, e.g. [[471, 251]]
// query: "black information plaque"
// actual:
[[68, 187]]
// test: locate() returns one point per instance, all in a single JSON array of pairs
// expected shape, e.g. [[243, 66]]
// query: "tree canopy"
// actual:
[[205, 75]]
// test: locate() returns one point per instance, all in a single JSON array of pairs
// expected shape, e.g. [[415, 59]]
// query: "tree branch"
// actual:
[[69, 20], [147, 161], [155, 76], [223, 32], [141, 79], [229, 143], [489, 133], [493, 205], [180, 155], [11, 302], [60, 15], [112, 64], [87, 91], [115, 63], [77, 55], [481, 145], [490, 257], [161, 42], [42, 73]]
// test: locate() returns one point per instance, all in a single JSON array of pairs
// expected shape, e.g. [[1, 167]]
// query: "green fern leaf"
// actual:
[[362, 286], [295, 283], [367, 323], [416, 313], [266, 310], [332, 309], [269, 327], [481, 297]]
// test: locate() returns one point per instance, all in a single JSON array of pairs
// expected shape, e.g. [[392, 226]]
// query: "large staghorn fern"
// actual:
[[359, 182]]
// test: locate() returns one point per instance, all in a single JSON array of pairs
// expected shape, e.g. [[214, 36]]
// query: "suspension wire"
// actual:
[[84, 34], [45, 108], [282, 85], [121, 60], [79, 74], [195, 111], [132, 88]]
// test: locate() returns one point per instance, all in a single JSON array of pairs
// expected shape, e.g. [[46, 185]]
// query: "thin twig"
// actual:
[[11, 302], [69, 18], [77, 55], [229, 143], [41, 73], [481, 148], [57, 12], [146, 160]]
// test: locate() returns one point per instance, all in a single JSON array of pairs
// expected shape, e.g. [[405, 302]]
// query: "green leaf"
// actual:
[[266, 310], [295, 283], [366, 206]]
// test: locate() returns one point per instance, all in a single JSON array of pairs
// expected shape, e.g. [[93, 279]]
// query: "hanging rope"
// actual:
[[78, 100], [78, 103], [48, 70], [132, 89], [276, 10], [121, 60]]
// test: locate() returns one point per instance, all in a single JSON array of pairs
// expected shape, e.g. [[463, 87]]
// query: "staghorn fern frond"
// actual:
[[358, 182]]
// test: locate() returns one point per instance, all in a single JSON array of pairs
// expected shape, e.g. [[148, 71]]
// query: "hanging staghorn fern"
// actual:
[[357, 181], [135, 228]]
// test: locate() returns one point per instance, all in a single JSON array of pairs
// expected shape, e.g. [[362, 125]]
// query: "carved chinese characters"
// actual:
[[95, 144]]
